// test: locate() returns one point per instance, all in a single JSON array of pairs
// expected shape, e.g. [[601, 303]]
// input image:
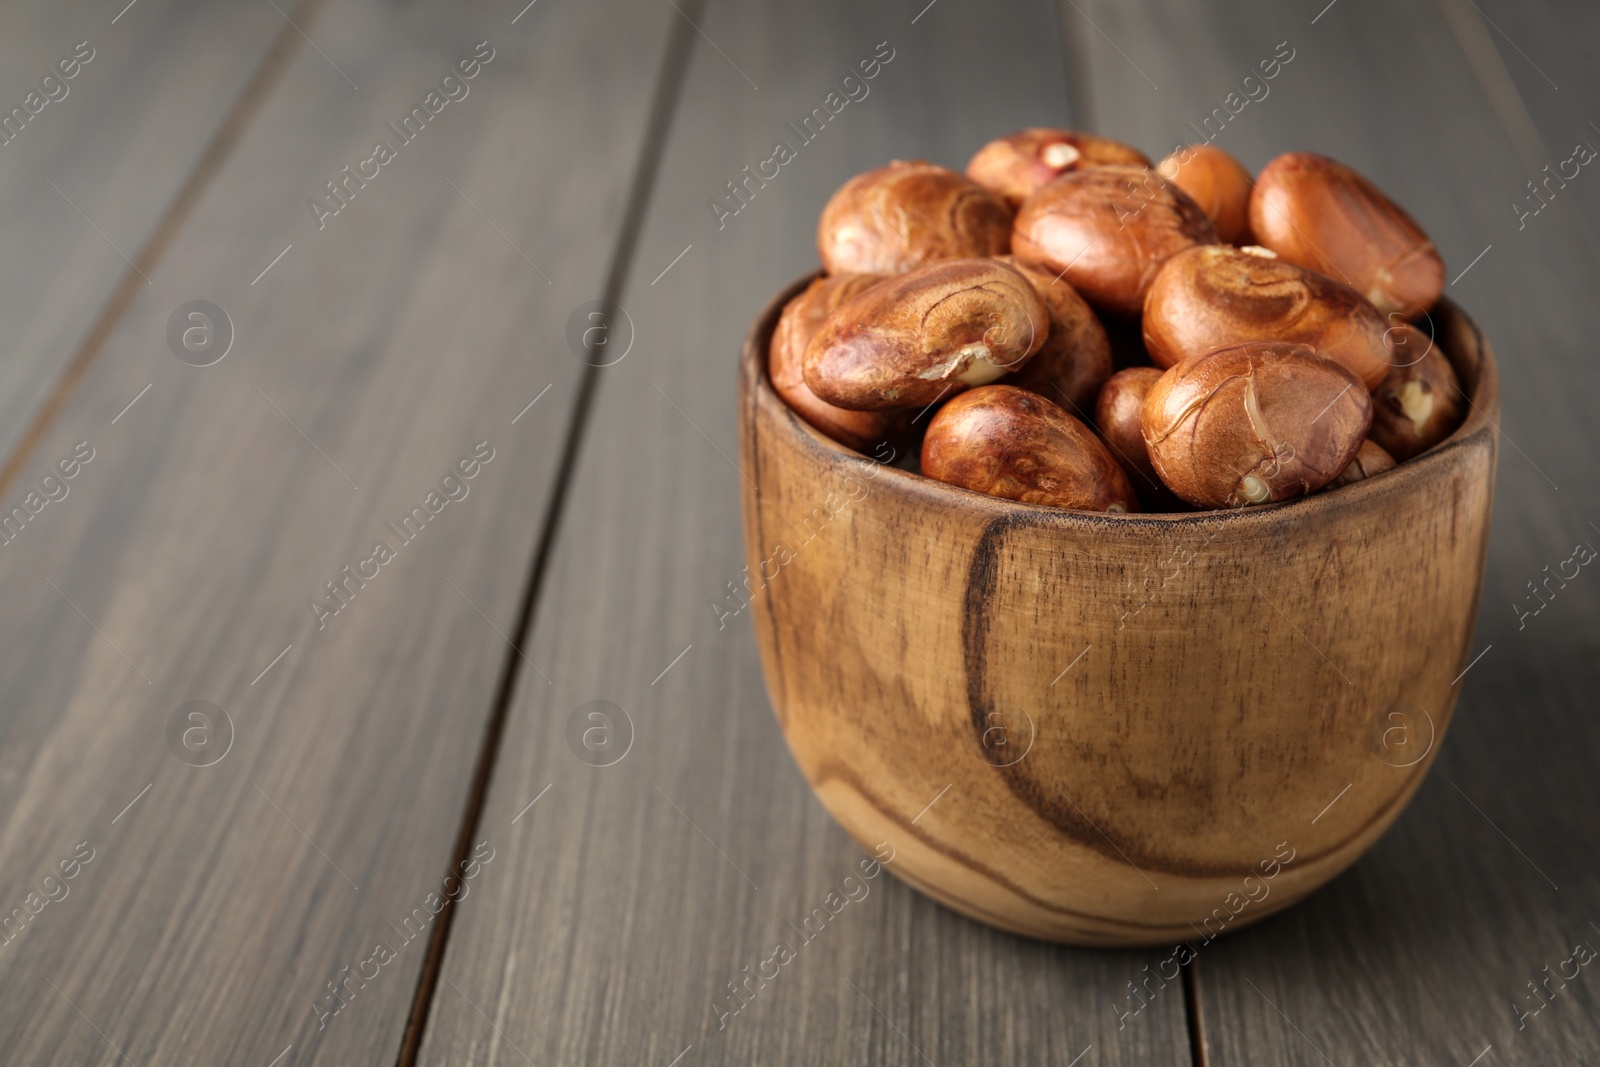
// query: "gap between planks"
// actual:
[[216, 152], [663, 107]]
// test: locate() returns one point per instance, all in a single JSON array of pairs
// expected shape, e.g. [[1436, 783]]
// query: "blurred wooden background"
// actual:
[[248, 855]]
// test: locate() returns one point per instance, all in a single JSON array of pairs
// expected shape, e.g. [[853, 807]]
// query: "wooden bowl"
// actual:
[[1112, 729]]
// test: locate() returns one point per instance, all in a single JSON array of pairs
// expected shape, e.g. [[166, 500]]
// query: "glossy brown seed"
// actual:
[[1321, 214], [1253, 423], [801, 319], [1019, 165], [906, 215], [1213, 295], [1009, 442], [1117, 413], [1109, 229], [1369, 459], [925, 335], [1075, 360], [1420, 402], [1218, 183]]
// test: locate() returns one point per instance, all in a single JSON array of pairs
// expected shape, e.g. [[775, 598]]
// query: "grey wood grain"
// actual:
[[1534, 63], [117, 142], [181, 564], [630, 896], [1422, 952]]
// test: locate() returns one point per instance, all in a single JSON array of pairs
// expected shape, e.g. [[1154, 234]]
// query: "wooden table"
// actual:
[[246, 756]]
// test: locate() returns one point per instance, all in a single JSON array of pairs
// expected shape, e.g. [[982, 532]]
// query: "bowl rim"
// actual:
[[1483, 400]]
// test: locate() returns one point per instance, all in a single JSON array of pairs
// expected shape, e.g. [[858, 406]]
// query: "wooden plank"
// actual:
[[1422, 952], [116, 141], [632, 895], [368, 363], [1534, 62]]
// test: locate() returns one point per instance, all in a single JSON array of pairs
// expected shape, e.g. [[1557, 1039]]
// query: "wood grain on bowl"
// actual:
[[1106, 729]]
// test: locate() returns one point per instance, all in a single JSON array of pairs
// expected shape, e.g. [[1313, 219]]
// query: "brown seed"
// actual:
[[1117, 414], [1420, 403], [1321, 214], [926, 335], [1369, 459], [1218, 183], [1255, 422], [1109, 229], [1213, 295], [1075, 360], [1017, 166], [1009, 442], [906, 215], [801, 319]]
